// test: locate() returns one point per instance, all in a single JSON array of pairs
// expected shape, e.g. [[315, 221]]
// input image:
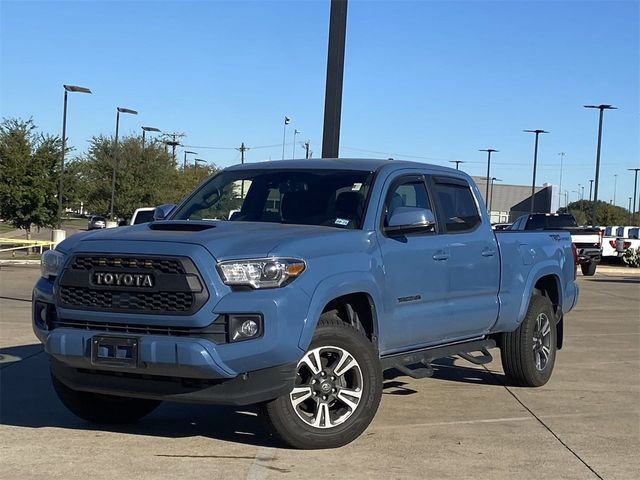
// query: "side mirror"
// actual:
[[162, 211], [122, 223], [411, 219]]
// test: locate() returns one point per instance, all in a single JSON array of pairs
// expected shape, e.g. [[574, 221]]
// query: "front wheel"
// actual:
[[336, 393], [588, 269], [103, 409], [529, 353]]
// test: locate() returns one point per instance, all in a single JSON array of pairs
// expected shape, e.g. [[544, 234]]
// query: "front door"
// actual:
[[415, 274]]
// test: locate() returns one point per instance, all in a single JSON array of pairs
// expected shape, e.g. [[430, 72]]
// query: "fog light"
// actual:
[[244, 327]]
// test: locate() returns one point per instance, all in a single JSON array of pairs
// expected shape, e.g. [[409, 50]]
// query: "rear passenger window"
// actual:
[[458, 206]]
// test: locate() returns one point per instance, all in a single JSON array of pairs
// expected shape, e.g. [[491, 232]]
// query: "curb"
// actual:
[[19, 262]]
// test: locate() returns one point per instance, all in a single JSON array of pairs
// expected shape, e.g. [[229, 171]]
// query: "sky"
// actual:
[[430, 81]]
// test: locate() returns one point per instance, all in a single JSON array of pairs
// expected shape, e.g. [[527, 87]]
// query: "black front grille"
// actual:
[[176, 286], [156, 301]]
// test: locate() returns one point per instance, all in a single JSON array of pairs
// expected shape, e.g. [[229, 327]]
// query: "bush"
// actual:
[[632, 257]]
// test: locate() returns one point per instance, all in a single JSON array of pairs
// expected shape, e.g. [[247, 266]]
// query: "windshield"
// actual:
[[305, 197]]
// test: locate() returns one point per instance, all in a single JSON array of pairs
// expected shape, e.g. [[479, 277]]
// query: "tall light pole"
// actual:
[[184, 165], [630, 213], [489, 152], [562, 154], [119, 110], [535, 165], [635, 188], [590, 189], [145, 130], [493, 179], [287, 121], [615, 187], [566, 199], [67, 89], [335, 73], [457, 162], [196, 161], [602, 108], [295, 134]]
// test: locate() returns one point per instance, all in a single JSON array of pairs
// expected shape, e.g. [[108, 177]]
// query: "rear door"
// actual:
[[473, 267]]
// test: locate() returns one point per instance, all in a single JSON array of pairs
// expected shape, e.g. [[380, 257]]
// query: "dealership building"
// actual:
[[507, 202]]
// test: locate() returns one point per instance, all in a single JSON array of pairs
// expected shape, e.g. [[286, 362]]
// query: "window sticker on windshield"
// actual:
[[356, 187], [342, 221]]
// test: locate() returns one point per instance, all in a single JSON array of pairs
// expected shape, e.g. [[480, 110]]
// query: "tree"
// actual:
[[28, 175], [607, 214], [143, 178]]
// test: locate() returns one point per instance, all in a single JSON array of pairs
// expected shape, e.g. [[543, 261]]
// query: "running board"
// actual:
[[424, 357]]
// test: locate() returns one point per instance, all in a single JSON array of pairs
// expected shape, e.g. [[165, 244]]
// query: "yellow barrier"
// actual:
[[24, 244]]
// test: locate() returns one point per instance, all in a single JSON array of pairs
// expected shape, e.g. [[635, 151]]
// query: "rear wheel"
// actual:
[[588, 269], [528, 353], [337, 389], [103, 409]]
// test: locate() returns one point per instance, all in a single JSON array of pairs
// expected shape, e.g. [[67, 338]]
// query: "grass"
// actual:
[[4, 228]]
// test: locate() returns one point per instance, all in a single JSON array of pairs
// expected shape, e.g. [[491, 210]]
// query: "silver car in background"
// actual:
[[96, 222]]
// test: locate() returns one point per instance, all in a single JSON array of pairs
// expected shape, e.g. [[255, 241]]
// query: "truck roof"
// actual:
[[368, 164]]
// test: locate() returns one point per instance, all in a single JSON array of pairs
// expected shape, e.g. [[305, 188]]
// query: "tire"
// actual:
[[529, 353], [103, 409], [324, 414], [588, 269]]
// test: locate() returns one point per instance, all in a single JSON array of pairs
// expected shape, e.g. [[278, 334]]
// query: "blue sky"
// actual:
[[431, 81]]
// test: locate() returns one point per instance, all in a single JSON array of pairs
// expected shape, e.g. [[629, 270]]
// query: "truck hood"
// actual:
[[224, 240]]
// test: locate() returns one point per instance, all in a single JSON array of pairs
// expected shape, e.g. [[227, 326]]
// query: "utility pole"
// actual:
[[457, 162], [560, 186], [242, 149], [615, 186], [307, 144], [173, 143], [602, 108], [535, 164], [489, 152], [630, 213], [590, 189], [335, 73]]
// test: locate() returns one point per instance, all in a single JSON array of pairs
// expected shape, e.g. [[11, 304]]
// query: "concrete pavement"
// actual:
[[463, 423]]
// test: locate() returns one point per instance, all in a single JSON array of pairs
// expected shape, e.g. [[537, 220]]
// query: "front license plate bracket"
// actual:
[[114, 351]]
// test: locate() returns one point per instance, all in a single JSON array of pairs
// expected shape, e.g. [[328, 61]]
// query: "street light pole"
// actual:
[[602, 108], [184, 165], [145, 130], [630, 214], [590, 189], [295, 133], [198, 160], [119, 110], [493, 179], [67, 89], [457, 162], [560, 186], [488, 179], [635, 188], [287, 120], [535, 165]]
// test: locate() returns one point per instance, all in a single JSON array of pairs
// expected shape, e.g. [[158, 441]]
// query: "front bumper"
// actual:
[[246, 389]]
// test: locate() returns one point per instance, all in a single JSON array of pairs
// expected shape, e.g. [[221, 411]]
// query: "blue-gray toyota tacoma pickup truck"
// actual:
[[294, 285]]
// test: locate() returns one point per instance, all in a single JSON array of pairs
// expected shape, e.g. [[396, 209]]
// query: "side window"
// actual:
[[411, 193], [458, 206]]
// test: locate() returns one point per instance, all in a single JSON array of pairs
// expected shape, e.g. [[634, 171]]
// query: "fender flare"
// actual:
[[334, 287], [543, 269]]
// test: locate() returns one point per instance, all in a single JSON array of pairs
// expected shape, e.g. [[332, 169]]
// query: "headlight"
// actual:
[[51, 263], [261, 272]]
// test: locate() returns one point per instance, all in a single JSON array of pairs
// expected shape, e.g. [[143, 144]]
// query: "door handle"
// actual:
[[487, 252], [440, 256]]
